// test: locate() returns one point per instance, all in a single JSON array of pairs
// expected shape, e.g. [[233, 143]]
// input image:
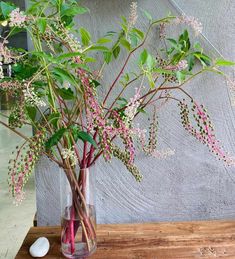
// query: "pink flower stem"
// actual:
[[117, 78], [127, 60], [72, 231], [92, 150], [84, 155]]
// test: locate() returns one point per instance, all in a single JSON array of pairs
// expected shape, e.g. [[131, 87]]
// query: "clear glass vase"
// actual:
[[78, 234]]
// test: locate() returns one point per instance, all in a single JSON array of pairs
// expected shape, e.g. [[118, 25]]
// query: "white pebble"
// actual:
[[40, 247]]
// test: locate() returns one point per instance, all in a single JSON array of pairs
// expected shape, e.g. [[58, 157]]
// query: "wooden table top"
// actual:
[[202, 239]]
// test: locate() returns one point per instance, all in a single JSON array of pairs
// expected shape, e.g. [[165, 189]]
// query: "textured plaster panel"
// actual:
[[191, 185]]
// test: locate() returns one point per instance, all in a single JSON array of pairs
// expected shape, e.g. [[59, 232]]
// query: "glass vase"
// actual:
[[78, 233]]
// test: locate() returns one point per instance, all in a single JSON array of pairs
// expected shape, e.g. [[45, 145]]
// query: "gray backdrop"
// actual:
[[192, 184]]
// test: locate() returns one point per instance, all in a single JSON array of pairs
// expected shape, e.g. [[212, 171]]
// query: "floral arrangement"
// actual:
[[57, 91]]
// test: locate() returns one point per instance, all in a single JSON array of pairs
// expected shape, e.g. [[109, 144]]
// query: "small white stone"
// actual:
[[40, 247]]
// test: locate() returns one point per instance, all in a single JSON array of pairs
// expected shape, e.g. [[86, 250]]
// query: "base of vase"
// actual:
[[80, 251]]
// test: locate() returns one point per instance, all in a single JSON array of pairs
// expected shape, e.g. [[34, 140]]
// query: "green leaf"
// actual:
[[84, 136], [64, 75], [174, 44], [143, 57], [138, 32], [121, 99], [150, 79], [107, 57], [6, 8], [80, 65], [31, 111], [204, 59], [88, 59], [141, 110], [85, 36], [68, 55], [177, 57], [191, 61], [67, 21], [74, 10], [23, 71], [184, 36], [223, 62], [148, 15], [116, 52], [180, 76], [198, 46], [66, 94], [134, 39], [151, 62], [215, 71], [42, 24], [101, 48], [55, 138], [163, 71], [44, 55], [103, 40], [53, 118], [95, 83], [125, 44], [124, 24], [122, 102]]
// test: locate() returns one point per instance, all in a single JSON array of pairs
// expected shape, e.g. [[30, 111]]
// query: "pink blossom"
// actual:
[[190, 21], [182, 65], [140, 134], [17, 18], [132, 106], [205, 134], [94, 115], [126, 135]]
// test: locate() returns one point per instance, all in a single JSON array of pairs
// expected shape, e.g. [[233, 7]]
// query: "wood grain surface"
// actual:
[[202, 239]]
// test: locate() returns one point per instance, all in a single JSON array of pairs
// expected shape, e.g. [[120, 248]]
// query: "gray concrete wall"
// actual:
[[192, 184]]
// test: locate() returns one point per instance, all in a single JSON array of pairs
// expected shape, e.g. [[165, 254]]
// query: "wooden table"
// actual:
[[206, 239]]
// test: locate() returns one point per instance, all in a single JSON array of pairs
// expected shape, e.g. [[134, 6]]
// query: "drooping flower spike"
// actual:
[[204, 132], [190, 21], [22, 166]]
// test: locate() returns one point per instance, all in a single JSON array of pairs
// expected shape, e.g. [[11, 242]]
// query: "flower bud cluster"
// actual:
[[22, 166], [190, 21], [17, 18], [133, 15], [152, 140], [31, 98], [125, 158], [69, 154], [204, 131], [17, 116], [171, 78]]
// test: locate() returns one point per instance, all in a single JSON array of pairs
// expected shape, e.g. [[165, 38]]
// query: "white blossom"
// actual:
[[31, 98], [133, 15], [17, 18], [69, 154], [132, 107], [182, 65], [1, 71]]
